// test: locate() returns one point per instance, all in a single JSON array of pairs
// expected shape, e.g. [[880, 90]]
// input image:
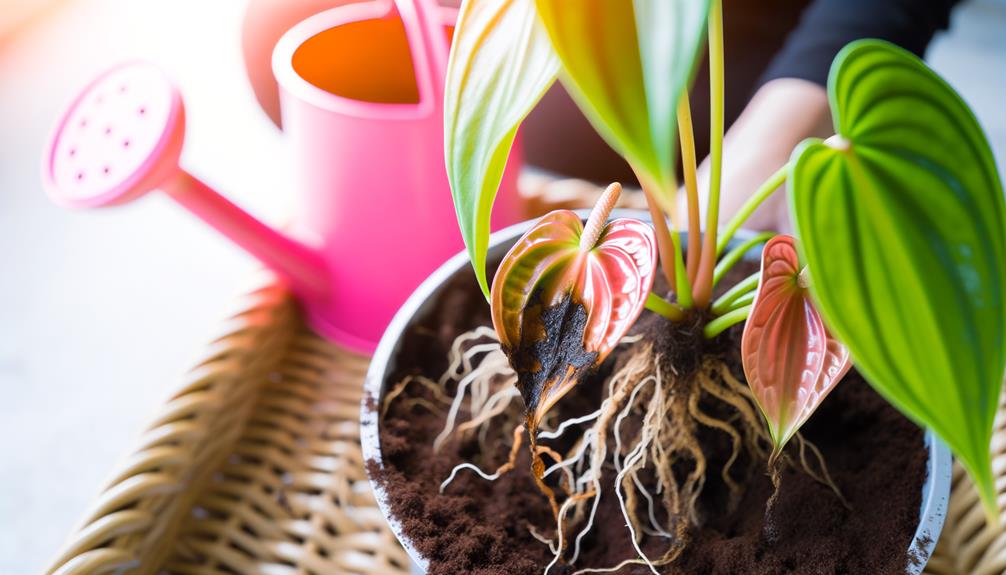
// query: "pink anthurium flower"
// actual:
[[790, 360], [565, 295]]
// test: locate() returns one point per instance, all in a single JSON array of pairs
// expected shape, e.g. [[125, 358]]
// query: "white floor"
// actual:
[[101, 311]]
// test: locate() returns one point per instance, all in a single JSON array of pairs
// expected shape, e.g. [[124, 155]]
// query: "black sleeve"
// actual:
[[826, 26]]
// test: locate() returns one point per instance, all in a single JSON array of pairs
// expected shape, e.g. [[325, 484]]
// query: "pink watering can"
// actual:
[[361, 93]]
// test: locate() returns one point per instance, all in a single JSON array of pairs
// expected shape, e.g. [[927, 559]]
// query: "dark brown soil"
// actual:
[[874, 454]]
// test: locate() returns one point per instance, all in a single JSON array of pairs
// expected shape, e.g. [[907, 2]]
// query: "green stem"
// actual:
[[686, 134], [660, 306], [735, 255], [748, 284], [726, 321], [683, 288], [761, 194], [744, 300], [704, 277]]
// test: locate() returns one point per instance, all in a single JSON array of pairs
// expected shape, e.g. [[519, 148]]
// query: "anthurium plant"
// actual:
[[897, 265]]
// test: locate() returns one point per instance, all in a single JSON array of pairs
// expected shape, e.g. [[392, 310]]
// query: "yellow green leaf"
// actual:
[[626, 65], [500, 65]]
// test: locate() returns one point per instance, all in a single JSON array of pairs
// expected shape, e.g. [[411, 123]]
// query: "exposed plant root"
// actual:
[[541, 538], [561, 547], [422, 402], [735, 440], [433, 387], [497, 404], [491, 381], [763, 448], [824, 477], [549, 452], [616, 568], [738, 395], [643, 444], [518, 434], [775, 475], [538, 472], [567, 424], [630, 339]]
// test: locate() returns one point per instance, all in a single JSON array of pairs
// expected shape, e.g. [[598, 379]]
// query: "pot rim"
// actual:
[[935, 490]]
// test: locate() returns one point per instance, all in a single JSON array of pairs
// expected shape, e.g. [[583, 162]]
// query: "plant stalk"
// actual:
[[735, 255], [669, 250], [744, 300], [763, 192], [726, 301], [662, 307], [686, 135], [704, 278], [683, 289], [726, 321]]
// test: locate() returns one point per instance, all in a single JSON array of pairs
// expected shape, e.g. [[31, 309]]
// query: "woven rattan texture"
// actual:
[[254, 465]]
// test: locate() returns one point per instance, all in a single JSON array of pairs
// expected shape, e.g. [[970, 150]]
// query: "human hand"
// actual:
[[781, 114]]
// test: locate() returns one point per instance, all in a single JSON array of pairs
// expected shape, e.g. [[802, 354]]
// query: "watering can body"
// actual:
[[368, 151]]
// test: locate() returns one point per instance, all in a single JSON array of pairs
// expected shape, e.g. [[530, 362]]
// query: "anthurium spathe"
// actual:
[[790, 360], [565, 295]]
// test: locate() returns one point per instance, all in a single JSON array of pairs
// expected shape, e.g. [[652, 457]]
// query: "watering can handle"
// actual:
[[423, 17]]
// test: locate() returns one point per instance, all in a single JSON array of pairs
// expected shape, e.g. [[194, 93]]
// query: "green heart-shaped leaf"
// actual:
[[626, 64], [565, 295], [901, 220], [501, 64]]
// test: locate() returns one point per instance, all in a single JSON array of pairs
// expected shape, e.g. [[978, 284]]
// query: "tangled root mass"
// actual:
[[646, 444]]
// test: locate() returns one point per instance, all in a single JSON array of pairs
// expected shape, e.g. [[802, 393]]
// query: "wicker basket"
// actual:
[[254, 465]]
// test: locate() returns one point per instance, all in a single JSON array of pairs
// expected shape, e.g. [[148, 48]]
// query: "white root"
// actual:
[[494, 406], [558, 552], [481, 378], [614, 569], [630, 339], [581, 450], [479, 472], [670, 417], [518, 433], [567, 424], [457, 357], [636, 457], [542, 539], [617, 453], [438, 392]]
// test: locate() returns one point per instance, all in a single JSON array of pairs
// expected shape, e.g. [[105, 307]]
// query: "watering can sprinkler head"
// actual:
[[119, 139], [122, 138]]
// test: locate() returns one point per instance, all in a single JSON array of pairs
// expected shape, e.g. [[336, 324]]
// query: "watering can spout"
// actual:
[[300, 264]]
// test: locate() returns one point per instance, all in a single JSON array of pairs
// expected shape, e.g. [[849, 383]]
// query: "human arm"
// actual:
[[791, 103]]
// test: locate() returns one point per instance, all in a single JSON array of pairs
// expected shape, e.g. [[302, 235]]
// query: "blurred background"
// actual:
[[101, 311]]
